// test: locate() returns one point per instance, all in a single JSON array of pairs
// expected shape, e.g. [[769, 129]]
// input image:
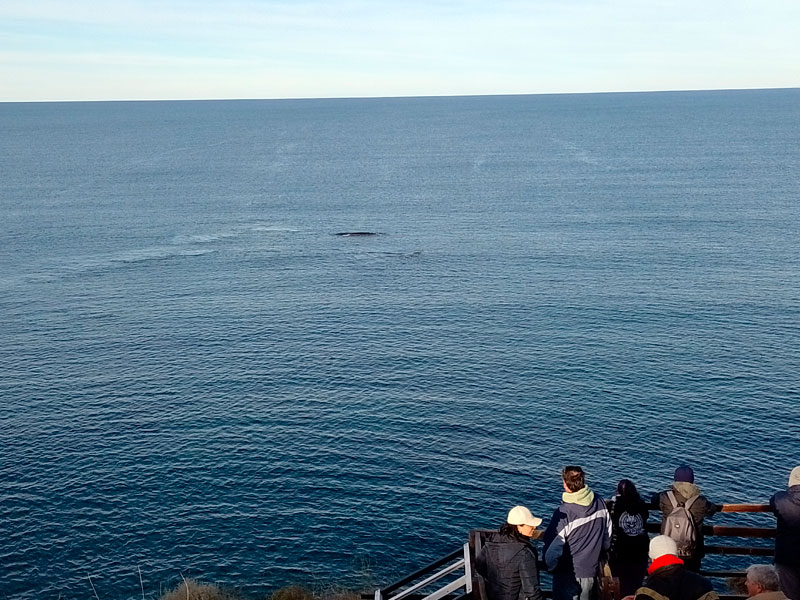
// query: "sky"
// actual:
[[204, 49]]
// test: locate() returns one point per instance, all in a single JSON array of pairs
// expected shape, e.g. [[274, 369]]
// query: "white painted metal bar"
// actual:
[[425, 582], [446, 589], [467, 568]]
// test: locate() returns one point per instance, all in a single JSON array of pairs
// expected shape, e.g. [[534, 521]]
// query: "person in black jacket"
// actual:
[[669, 579], [629, 539], [508, 561], [786, 507]]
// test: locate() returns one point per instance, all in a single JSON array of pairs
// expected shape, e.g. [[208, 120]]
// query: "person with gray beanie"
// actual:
[[669, 579], [684, 493], [786, 507]]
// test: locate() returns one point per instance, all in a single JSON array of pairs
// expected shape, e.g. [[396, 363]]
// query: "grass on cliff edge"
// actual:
[[193, 590]]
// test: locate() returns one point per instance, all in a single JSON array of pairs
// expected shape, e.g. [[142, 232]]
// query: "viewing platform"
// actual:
[[453, 577]]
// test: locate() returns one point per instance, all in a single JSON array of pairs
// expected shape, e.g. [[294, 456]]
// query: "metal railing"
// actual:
[[436, 574]]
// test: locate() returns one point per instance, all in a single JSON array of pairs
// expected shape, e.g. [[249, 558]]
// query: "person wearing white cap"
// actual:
[[786, 507], [669, 579], [508, 561]]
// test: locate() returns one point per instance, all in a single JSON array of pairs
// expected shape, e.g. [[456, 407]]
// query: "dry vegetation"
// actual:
[[193, 590]]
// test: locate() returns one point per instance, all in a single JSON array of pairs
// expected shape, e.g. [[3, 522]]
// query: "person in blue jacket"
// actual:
[[786, 507], [577, 539]]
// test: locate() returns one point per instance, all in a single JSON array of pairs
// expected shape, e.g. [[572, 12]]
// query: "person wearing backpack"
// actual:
[[683, 510]]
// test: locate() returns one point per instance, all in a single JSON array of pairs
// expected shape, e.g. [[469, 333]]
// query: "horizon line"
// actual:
[[398, 97]]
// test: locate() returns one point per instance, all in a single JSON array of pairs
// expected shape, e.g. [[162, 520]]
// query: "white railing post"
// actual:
[[468, 568]]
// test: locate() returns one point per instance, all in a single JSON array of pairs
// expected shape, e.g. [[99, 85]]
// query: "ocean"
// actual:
[[199, 378]]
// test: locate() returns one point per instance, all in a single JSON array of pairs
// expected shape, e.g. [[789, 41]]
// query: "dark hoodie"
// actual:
[[786, 506], [509, 564]]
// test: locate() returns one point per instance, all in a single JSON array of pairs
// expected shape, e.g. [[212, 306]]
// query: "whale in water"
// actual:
[[355, 233]]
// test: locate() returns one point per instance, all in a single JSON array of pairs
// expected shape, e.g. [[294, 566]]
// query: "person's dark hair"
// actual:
[[574, 478], [509, 529], [628, 499]]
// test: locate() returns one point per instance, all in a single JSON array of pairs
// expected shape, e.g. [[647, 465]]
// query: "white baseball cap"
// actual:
[[794, 477], [519, 515]]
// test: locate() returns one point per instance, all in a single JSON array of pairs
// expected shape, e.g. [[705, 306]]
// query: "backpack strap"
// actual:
[[672, 499], [690, 501]]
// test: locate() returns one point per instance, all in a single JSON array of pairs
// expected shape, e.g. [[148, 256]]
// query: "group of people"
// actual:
[[587, 535]]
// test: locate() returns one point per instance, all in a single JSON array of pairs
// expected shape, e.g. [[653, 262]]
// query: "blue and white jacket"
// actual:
[[578, 535]]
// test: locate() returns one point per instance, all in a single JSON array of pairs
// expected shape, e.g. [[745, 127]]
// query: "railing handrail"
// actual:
[[465, 580], [726, 530], [746, 508], [420, 572], [428, 580]]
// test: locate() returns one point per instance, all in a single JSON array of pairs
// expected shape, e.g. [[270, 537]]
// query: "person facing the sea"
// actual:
[[786, 507], [684, 494], [578, 535], [762, 583], [508, 561], [669, 579], [629, 540]]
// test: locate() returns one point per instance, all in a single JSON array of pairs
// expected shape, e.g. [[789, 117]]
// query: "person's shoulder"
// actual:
[[493, 537], [701, 582], [779, 495], [598, 504], [659, 496], [648, 593], [703, 499], [561, 512]]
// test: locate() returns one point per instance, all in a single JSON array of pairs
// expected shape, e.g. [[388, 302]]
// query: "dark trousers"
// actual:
[[630, 574], [789, 577], [568, 587]]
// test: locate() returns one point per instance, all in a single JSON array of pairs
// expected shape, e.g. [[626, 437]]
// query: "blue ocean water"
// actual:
[[198, 378]]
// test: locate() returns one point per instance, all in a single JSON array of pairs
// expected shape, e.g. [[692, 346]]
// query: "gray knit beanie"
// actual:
[[662, 545]]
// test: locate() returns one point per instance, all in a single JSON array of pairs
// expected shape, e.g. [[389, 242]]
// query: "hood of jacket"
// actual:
[[583, 497], [686, 489], [505, 547]]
